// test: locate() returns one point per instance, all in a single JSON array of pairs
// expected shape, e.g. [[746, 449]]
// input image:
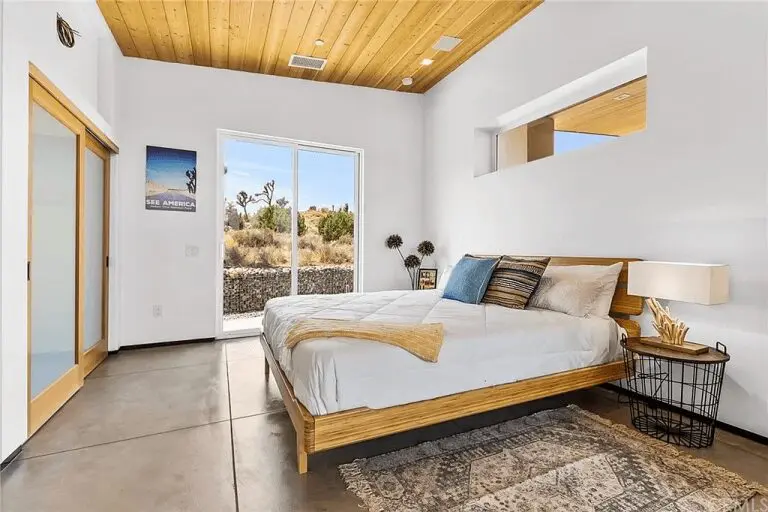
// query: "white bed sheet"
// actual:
[[484, 345]]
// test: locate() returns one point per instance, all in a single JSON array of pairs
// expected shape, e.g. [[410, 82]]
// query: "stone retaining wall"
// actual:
[[247, 289]]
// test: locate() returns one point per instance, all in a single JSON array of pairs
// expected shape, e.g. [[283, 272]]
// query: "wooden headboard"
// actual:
[[623, 305]]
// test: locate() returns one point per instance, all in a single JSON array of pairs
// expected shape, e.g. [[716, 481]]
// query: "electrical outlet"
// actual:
[[157, 311]]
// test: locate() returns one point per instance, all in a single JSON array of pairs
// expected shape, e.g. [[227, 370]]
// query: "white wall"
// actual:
[[29, 35], [692, 187], [182, 106]]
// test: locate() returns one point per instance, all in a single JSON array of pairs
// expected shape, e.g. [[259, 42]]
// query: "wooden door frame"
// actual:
[[93, 356], [45, 94], [48, 401]]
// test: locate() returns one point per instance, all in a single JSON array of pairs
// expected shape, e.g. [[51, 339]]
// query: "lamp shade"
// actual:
[[684, 282]]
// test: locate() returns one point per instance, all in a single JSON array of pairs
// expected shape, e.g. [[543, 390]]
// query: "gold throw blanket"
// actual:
[[422, 340]]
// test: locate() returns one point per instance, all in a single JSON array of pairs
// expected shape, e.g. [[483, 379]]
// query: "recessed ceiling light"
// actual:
[[622, 96], [407, 81], [319, 42], [446, 43], [426, 62]]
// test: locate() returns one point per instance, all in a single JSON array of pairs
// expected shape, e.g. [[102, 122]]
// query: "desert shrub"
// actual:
[[311, 241], [336, 224], [235, 256], [347, 252], [274, 218], [308, 257], [255, 238], [333, 254], [278, 218], [265, 241], [301, 224], [272, 257], [263, 257]]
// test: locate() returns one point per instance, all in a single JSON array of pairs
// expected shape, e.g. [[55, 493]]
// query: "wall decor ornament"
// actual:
[[171, 179], [65, 32]]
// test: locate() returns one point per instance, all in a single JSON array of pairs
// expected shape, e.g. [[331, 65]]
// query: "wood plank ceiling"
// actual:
[[367, 42], [619, 112]]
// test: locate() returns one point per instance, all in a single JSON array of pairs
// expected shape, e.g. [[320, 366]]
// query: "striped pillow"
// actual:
[[514, 281]]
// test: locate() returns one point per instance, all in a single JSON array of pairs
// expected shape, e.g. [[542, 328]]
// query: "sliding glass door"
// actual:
[[258, 187], [327, 221], [289, 224], [67, 252], [54, 373]]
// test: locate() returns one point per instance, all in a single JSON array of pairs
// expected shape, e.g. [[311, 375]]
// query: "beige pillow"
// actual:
[[578, 290], [570, 296]]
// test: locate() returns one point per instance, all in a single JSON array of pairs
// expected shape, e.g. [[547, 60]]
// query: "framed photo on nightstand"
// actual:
[[427, 278]]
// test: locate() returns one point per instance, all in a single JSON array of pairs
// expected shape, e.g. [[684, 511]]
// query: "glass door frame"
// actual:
[[44, 94], [295, 146]]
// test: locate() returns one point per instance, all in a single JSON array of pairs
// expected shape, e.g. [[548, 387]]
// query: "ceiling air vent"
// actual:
[[446, 43], [301, 61]]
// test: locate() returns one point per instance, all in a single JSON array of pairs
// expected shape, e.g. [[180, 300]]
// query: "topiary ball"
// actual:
[[394, 241], [412, 261], [426, 248]]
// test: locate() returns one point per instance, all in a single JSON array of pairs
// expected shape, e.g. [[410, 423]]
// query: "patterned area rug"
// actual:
[[563, 459]]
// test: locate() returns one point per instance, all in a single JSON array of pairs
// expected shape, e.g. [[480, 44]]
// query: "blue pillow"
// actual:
[[469, 279]]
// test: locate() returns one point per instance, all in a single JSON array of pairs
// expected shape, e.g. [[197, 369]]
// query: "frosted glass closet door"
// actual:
[[52, 249], [94, 249]]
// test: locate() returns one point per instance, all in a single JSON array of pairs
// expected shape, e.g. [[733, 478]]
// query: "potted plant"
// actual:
[[411, 262]]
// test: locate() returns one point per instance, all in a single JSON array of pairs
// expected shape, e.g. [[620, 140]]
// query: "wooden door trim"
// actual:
[[80, 258], [94, 355], [50, 400], [49, 103], [36, 74]]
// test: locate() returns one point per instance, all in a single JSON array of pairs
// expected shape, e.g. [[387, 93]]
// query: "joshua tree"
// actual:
[[282, 202], [266, 194], [243, 200], [192, 180]]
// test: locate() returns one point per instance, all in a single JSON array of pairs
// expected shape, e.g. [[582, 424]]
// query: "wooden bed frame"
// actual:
[[319, 433]]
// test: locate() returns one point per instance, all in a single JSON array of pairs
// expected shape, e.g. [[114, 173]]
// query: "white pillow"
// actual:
[[579, 290], [444, 277]]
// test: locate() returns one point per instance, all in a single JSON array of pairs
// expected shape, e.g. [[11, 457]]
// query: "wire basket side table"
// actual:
[[674, 396]]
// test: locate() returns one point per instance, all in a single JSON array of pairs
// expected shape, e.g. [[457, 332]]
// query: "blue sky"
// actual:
[[167, 167], [324, 179], [569, 141]]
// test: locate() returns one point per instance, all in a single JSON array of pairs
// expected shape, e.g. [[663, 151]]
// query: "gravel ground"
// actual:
[[250, 314]]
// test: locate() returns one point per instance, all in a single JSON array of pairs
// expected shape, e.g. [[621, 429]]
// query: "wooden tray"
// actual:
[[686, 347]]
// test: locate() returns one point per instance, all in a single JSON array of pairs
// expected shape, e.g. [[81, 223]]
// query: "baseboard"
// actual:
[[11, 457], [752, 436], [163, 344]]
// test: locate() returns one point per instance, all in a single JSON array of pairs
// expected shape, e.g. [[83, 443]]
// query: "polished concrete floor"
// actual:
[[197, 428]]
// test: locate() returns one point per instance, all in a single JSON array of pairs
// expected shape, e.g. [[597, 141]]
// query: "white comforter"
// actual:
[[484, 346]]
